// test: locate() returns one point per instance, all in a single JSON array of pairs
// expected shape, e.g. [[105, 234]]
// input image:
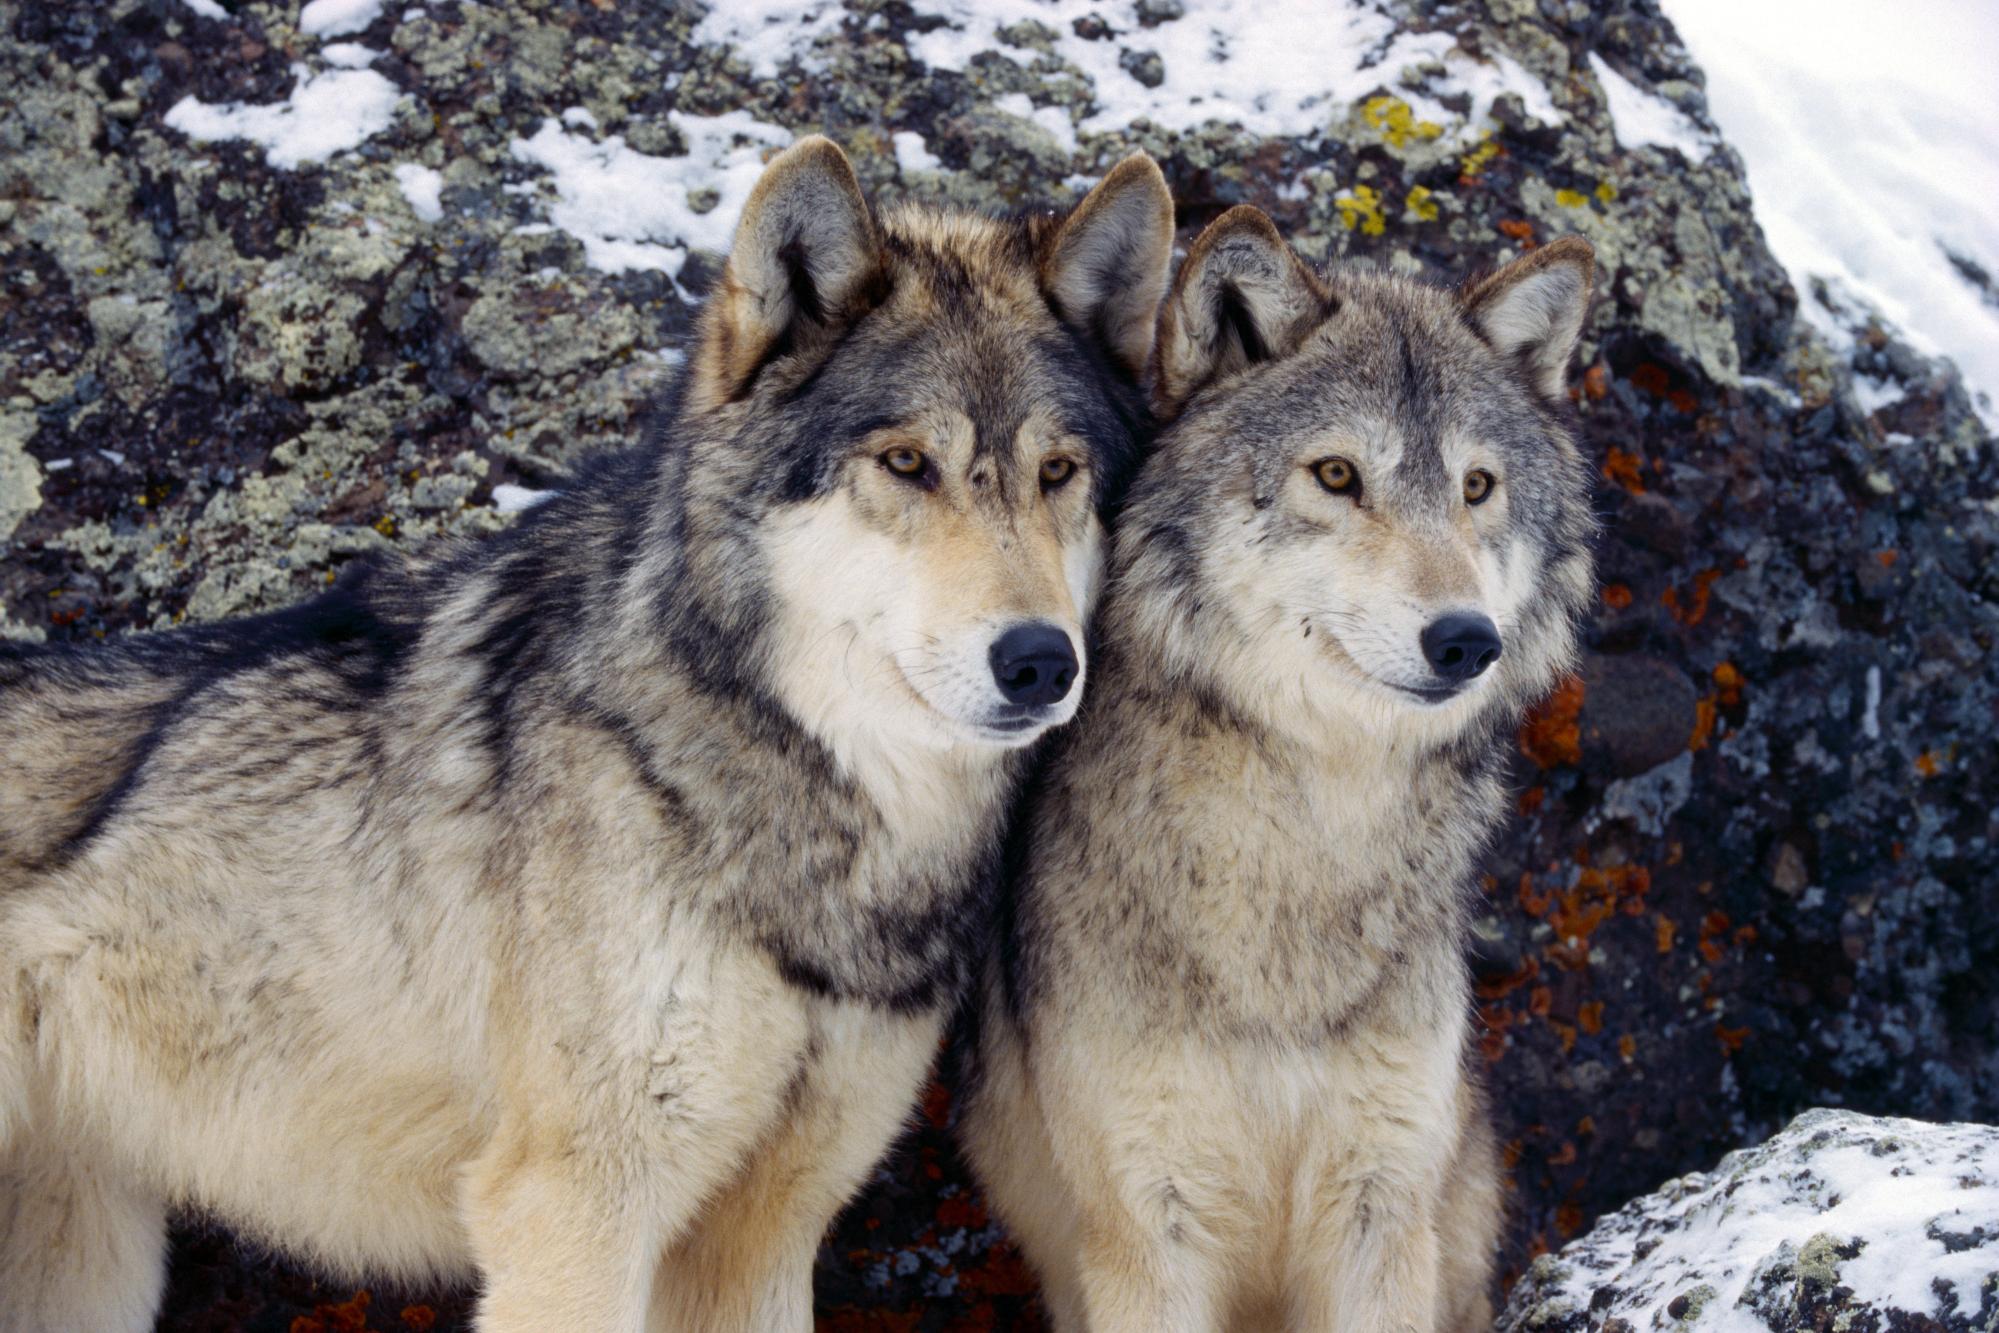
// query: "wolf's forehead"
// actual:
[[960, 261]]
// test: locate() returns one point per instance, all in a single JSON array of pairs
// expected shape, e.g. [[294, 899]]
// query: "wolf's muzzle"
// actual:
[[1034, 664]]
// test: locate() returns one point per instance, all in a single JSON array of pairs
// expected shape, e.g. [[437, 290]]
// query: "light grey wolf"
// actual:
[[580, 909], [1220, 1070]]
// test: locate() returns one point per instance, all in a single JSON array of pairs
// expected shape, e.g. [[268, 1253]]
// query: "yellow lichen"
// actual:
[[1475, 161], [1397, 123], [1361, 208], [1421, 203], [1605, 191], [1571, 199]]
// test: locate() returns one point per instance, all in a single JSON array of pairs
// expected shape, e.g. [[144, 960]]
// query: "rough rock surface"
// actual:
[[1842, 1221], [1754, 865]]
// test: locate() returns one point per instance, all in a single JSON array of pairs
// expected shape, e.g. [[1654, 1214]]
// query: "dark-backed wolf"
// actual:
[[1221, 1076], [580, 908]]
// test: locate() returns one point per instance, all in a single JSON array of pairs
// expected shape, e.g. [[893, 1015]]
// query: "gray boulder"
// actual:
[[1841, 1222]]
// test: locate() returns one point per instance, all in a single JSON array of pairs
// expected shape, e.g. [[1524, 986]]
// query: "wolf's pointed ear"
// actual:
[[1243, 296], [1106, 264], [806, 257], [1532, 310]]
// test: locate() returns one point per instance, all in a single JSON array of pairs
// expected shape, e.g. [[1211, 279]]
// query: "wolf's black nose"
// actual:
[[1461, 645], [1034, 664]]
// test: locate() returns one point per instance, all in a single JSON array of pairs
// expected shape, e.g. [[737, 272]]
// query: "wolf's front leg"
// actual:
[[748, 1268], [1135, 1281], [1369, 1261], [561, 1241], [598, 1167]]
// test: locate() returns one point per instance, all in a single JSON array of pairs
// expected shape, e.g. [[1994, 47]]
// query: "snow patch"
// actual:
[[422, 189], [331, 18], [1873, 394], [1640, 119], [1051, 118], [632, 210], [1220, 62], [912, 154], [348, 55], [1897, 1187], [327, 113], [511, 499], [765, 33], [1873, 156]]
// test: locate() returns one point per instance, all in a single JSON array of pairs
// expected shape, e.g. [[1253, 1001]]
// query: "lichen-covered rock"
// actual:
[[1842, 1221], [1757, 848]]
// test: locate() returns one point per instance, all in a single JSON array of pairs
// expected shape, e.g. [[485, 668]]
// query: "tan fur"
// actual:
[[1221, 1073], [579, 911]]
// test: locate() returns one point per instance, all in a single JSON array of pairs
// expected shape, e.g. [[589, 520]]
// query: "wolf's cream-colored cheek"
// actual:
[[1507, 577], [1083, 569]]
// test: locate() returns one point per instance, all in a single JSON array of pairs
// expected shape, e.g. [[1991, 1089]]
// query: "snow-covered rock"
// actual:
[[1842, 1222]]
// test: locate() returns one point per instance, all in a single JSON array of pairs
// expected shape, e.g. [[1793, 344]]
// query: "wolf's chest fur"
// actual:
[[1259, 890]]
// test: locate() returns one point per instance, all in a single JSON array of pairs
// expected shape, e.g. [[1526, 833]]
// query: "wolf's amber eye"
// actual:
[[1337, 475], [904, 461], [1055, 471], [1478, 485]]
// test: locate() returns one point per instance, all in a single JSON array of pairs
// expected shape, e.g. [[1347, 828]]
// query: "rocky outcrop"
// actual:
[[283, 288], [1841, 1221]]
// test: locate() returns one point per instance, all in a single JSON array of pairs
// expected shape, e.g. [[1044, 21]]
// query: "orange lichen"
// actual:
[[1519, 230], [1704, 715], [1929, 763], [1664, 932], [1887, 558], [1714, 928], [1728, 678], [1599, 893], [1552, 733], [1626, 469], [349, 1316], [1563, 1155], [1627, 1048], [1616, 596], [419, 1317], [1569, 1219], [1693, 609], [961, 1210], [1731, 1038], [1531, 799], [937, 1105], [1596, 384], [1589, 1016], [1494, 988], [1651, 377]]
